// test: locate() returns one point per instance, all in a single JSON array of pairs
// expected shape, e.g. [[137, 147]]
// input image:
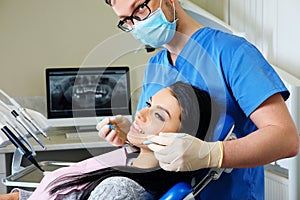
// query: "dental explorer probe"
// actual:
[[20, 120], [24, 113], [18, 131], [19, 145]]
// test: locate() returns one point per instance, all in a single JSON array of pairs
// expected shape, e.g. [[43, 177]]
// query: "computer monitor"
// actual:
[[81, 96]]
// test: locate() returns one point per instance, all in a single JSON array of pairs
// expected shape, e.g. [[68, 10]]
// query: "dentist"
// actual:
[[238, 78]]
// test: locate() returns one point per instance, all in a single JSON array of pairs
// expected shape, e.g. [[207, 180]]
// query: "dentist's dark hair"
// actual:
[[195, 118]]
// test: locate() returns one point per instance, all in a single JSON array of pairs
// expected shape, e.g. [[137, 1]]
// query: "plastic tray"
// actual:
[[30, 176]]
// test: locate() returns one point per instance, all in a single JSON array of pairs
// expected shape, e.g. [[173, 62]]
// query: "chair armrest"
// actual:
[[178, 192]]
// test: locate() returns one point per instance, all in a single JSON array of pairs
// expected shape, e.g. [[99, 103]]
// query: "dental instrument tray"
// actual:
[[30, 176]]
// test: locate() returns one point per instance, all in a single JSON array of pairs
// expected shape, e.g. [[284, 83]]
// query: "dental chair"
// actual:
[[183, 190]]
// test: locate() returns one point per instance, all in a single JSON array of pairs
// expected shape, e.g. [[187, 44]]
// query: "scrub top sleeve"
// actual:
[[252, 79]]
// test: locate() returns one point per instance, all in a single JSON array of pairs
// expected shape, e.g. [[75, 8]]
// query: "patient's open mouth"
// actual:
[[135, 128]]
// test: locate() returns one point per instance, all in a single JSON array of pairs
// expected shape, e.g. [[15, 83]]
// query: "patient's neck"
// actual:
[[145, 159]]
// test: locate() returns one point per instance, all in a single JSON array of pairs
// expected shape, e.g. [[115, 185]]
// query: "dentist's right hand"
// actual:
[[118, 135]]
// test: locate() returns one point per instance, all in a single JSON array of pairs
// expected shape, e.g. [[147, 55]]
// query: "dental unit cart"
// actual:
[[69, 150], [60, 151]]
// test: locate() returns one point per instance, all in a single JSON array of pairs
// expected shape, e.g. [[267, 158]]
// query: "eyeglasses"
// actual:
[[140, 13]]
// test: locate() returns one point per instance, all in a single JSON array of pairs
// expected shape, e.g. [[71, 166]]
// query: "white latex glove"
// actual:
[[118, 135], [185, 153]]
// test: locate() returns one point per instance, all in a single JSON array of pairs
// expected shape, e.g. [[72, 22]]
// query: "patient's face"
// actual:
[[161, 115]]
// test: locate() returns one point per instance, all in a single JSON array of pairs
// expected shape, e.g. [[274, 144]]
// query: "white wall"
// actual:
[[273, 26], [219, 8], [35, 34]]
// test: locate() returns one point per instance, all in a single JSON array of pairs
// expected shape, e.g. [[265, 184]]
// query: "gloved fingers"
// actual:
[[167, 166], [104, 131], [172, 135], [111, 136], [169, 154], [114, 138], [163, 154], [160, 140], [155, 147], [122, 122], [102, 123], [116, 119], [172, 141], [170, 146], [170, 167], [118, 140], [175, 167]]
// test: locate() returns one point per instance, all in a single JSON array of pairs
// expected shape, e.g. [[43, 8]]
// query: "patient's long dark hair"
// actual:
[[195, 117]]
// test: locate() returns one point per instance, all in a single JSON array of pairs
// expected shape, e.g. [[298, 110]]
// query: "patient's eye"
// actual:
[[159, 116]]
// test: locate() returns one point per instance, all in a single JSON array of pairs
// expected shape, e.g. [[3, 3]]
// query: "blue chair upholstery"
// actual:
[[178, 192]]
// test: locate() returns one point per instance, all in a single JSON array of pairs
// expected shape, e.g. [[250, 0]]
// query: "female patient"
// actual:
[[178, 108]]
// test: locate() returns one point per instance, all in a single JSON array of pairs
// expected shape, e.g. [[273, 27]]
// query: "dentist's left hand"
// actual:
[[118, 135]]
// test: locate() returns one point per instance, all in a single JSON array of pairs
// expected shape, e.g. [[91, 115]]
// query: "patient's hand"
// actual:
[[118, 135], [10, 196]]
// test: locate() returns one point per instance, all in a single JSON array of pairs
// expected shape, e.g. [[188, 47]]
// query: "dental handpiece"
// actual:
[[20, 120], [25, 114], [18, 131], [19, 145]]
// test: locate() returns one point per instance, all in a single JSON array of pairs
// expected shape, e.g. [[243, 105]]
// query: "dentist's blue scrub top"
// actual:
[[238, 79]]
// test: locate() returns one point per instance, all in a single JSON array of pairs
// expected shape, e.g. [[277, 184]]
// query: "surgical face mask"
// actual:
[[156, 30]]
